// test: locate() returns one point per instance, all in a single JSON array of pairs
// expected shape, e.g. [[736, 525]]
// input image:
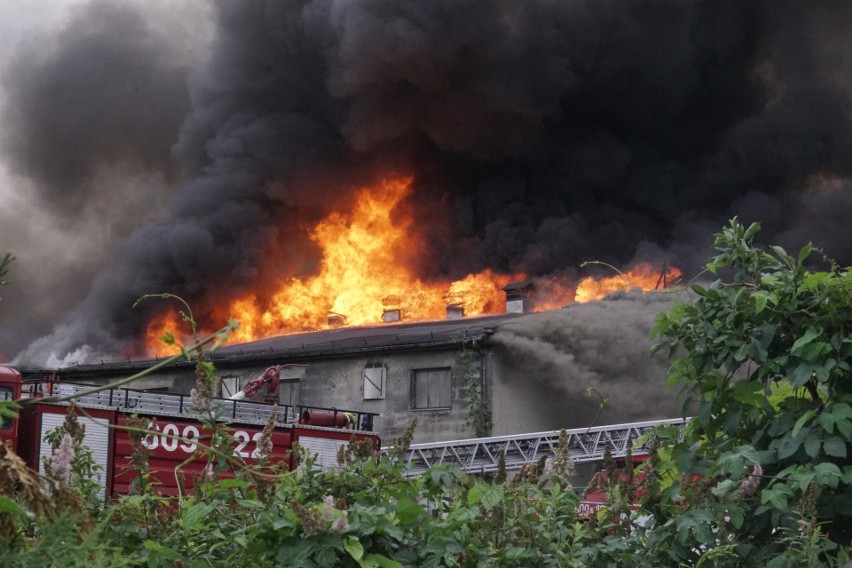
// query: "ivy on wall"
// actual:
[[479, 418]]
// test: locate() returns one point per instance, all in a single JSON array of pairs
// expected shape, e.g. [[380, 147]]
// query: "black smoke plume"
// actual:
[[540, 134]]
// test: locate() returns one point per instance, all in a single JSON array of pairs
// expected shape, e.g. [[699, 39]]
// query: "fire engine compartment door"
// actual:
[[324, 449], [96, 439]]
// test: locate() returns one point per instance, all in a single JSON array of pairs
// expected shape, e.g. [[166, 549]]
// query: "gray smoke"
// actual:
[[540, 134], [593, 359]]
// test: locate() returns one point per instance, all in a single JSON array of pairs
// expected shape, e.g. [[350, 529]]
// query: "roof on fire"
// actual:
[[336, 342], [348, 340]]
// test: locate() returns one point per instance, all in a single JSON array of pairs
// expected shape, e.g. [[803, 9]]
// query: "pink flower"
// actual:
[[198, 401], [752, 481], [60, 461], [341, 524]]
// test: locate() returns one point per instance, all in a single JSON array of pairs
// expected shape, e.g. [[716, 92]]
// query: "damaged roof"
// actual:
[[351, 340], [338, 342]]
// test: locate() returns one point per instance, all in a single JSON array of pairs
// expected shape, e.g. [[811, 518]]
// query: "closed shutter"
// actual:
[[230, 386], [431, 388], [323, 449], [374, 383], [96, 439]]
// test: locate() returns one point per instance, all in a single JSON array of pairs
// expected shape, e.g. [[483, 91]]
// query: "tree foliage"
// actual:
[[764, 356]]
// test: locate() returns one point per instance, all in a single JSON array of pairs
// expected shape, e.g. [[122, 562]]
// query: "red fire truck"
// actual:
[[175, 429]]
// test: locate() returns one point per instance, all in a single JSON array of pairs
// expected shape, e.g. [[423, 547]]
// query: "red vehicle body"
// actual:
[[174, 431], [596, 496]]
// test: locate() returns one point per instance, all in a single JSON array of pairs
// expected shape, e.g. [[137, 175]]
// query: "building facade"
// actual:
[[568, 368]]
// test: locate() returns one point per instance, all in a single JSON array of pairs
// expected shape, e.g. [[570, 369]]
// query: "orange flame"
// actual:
[[365, 271], [158, 328], [642, 276]]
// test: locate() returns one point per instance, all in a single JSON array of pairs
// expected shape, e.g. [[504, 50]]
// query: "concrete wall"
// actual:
[[337, 383]]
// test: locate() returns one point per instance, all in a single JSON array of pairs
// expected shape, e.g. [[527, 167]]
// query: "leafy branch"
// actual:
[[185, 315]]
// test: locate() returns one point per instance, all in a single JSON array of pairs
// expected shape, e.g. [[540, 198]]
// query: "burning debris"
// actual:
[[330, 155]]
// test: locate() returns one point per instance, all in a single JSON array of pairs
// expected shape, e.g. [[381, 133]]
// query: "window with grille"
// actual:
[[431, 388]]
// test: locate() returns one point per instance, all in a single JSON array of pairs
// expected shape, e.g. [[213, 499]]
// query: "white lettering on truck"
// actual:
[[172, 439]]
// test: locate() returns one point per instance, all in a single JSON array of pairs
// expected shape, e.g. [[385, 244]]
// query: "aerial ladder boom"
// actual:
[[482, 455]]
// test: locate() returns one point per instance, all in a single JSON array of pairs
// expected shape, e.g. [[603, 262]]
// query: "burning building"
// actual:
[[571, 367], [315, 165]]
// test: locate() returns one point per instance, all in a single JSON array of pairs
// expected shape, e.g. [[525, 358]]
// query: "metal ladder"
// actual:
[[481, 455]]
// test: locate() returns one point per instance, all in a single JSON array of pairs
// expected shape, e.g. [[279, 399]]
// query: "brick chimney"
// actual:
[[455, 311], [519, 297], [391, 316], [336, 320]]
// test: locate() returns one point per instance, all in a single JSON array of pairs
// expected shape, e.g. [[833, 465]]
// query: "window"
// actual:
[[373, 382], [230, 386], [431, 388]]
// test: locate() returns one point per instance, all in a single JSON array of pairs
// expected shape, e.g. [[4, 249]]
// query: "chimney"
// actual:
[[455, 311], [519, 297], [336, 320], [391, 316]]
